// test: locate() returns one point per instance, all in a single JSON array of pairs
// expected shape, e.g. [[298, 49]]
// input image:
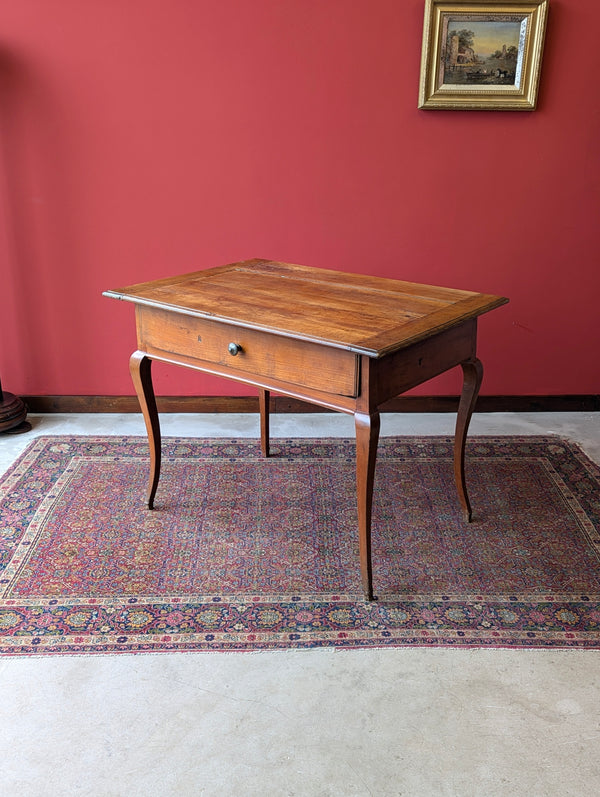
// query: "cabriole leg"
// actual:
[[263, 403], [367, 436], [472, 376], [140, 368]]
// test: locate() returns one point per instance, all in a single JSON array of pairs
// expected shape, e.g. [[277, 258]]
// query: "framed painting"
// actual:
[[484, 55]]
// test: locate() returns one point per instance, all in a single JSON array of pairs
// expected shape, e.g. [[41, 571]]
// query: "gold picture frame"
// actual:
[[482, 55]]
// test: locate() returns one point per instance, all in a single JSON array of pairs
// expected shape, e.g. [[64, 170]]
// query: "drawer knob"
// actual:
[[234, 348]]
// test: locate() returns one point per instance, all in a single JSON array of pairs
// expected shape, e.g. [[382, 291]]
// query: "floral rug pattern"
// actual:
[[247, 553]]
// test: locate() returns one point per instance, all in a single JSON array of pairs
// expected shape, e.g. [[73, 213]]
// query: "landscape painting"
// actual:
[[482, 55], [483, 51]]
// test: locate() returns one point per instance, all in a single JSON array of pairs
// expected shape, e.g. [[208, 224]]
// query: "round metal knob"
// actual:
[[234, 348]]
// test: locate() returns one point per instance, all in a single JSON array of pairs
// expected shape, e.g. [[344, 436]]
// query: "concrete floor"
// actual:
[[315, 723]]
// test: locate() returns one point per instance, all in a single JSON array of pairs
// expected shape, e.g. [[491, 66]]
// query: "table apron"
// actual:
[[386, 377], [273, 358], [328, 400], [411, 366]]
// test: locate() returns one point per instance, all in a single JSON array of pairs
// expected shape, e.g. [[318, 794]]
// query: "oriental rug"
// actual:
[[247, 553]]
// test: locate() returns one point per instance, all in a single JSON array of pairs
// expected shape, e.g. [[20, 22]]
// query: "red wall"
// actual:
[[141, 138]]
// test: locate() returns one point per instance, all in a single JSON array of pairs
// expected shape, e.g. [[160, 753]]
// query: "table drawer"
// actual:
[[262, 354]]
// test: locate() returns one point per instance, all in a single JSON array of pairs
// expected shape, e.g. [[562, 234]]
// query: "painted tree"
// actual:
[[466, 38]]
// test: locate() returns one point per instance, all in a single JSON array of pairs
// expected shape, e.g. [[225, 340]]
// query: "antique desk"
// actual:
[[347, 342]]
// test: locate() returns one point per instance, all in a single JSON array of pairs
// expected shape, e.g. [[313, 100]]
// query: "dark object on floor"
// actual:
[[12, 414]]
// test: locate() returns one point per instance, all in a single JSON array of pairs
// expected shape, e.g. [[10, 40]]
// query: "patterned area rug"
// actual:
[[243, 553]]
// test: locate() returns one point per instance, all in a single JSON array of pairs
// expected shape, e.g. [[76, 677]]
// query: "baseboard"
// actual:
[[194, 404]]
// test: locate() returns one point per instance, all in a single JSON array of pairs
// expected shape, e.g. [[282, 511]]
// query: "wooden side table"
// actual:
[[348, 342]]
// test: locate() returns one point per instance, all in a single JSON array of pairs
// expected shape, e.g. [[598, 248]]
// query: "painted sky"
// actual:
[[489, 36]]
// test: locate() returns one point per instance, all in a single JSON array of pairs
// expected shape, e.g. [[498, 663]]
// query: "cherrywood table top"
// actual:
[[365, 314]]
